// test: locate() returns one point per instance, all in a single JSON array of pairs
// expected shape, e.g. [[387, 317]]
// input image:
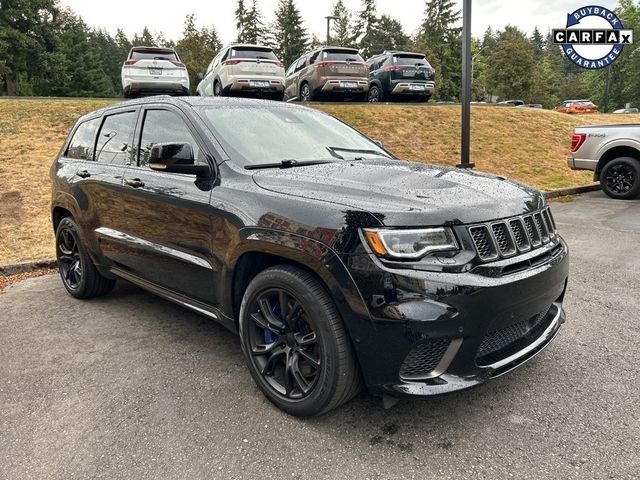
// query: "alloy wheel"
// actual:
[[69, 259], [284, 345], [620, 179], [374, 94], [305, 93]]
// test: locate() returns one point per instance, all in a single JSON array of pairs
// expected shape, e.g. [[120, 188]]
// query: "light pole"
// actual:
[[465, 147], [329, 18]]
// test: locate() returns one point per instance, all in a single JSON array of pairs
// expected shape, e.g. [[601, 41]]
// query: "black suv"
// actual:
[[400, 75], [338, 264]]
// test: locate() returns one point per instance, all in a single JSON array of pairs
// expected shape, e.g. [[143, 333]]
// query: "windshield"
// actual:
[[261, 136]]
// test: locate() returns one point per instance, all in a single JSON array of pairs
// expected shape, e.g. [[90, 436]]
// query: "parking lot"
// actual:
[[131, 386]]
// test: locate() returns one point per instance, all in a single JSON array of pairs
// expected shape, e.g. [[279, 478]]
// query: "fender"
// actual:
[[617, 142], [311, 254]]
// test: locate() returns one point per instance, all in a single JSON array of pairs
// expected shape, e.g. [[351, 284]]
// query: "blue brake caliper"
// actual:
[[269, 336]]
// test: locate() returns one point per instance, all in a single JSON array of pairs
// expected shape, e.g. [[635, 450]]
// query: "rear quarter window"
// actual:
[[83, 140]]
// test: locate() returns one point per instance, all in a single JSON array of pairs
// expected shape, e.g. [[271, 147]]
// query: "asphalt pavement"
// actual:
[[131, 386]]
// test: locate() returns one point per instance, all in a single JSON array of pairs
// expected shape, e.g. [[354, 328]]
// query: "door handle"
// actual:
[[135, 183], [83, 174]]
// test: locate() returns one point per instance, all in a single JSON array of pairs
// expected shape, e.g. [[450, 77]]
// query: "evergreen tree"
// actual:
[[290, 37], [367, 28], [196, 48], [253, 27], [240, 15], [538, 42], [512, 79], [341, 30], [389, 36], [144, 40], [441, 35]]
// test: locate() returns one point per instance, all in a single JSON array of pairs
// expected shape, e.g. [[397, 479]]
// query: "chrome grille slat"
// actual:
[[512, 236]]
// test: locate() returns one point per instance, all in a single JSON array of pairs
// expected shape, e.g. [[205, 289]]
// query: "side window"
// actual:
[[226, 55], [314, 57], [81, 145], [292, 68], [115, 139], [164, 126], [301, 64]]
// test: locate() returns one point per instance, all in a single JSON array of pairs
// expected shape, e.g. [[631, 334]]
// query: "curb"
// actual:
[[23, 267], [563, 192]]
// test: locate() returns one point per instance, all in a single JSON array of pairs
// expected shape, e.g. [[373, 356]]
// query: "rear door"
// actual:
[[293, 77], [153, 62], [167, 224], [100, 195]]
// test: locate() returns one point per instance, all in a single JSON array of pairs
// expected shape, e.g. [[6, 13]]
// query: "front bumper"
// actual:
[[581, 163], [434, 332]]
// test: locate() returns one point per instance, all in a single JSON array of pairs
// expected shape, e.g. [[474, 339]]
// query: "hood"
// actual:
[[401, 193]]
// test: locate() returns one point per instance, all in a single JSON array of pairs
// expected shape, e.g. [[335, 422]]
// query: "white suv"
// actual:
[[151, 70], [244, 70]]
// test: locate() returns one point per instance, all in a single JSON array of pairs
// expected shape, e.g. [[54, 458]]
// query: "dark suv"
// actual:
[[395, 75], [338, 264]]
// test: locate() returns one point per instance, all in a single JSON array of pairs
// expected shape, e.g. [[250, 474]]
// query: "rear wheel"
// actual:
[[620, 178], [374, 95], [217, 90], [79, 275], [295, 344], [305, 93]]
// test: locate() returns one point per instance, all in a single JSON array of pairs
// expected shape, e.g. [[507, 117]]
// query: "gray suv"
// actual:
[[328, 72]]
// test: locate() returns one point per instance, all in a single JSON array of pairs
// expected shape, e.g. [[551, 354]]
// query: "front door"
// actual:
[[168, 226]]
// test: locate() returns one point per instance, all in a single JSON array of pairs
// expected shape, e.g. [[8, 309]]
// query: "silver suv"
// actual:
[[152, 70], [244, 70]]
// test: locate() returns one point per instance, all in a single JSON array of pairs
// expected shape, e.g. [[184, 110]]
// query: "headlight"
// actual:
[[410, 244]]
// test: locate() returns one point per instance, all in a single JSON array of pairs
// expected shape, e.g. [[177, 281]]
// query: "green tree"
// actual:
[[252, 29], [366, 29], [440, 34], [341, 28], [290, 37], [389, 36], [27, 30], [196, 48], [240, 15], [512, 65], [144, 40], [537, 39]]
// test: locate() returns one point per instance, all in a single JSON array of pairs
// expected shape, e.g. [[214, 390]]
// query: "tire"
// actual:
[[314, 350], [620, 178], [217, 90], [305, 93], [78, 273], [374, 95]]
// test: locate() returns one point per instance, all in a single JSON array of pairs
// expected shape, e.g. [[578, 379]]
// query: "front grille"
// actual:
[[502, 343], [423, 359], [507, 237]]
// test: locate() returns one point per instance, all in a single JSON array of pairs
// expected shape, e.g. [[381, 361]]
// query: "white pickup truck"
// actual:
[[613, 153]]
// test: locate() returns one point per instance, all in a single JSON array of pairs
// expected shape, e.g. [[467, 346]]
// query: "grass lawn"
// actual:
[[525, 144]]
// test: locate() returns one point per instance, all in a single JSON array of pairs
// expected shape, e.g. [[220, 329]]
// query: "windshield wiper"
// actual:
[[286, 164], [333, 151]]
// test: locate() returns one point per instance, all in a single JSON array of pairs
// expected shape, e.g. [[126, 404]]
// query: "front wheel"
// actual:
[[305, 93], [295, 344], [620, 178], [217, 90], [79, 275]]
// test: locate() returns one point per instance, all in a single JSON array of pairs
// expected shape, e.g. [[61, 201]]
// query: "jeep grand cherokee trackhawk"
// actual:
[[338, 264]]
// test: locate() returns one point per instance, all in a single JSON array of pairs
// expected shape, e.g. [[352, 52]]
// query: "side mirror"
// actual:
[[175, 158], [200, 75]]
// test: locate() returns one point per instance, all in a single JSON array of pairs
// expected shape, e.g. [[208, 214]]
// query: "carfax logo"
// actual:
[[593, 38]]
